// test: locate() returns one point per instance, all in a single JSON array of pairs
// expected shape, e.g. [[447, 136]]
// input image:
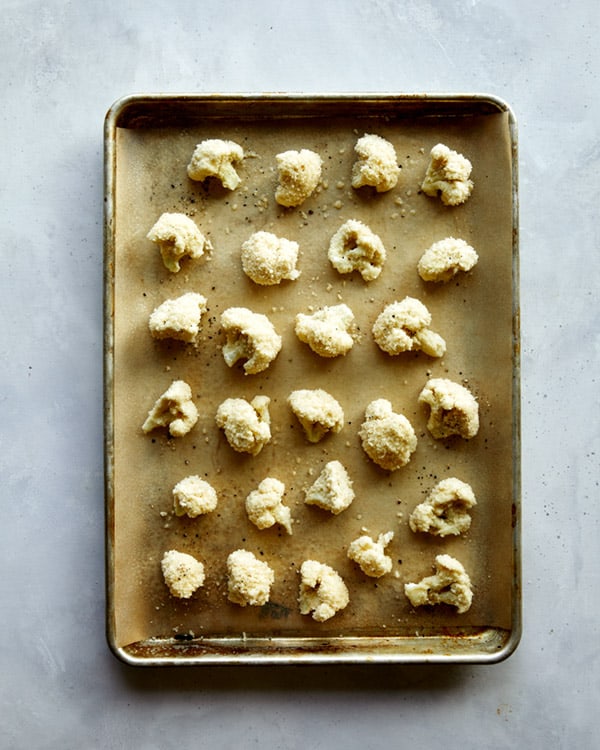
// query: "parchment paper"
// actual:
[[473, 313]]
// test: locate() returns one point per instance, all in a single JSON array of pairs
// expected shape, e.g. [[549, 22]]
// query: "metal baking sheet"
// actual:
[[148, 143]]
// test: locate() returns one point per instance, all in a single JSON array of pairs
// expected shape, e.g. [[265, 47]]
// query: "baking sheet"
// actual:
[[149, 141]]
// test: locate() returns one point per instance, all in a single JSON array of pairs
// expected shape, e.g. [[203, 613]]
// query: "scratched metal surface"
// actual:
[[223, 635]]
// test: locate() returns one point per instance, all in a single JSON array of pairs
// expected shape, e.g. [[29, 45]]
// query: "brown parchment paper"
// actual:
[[473, 313]]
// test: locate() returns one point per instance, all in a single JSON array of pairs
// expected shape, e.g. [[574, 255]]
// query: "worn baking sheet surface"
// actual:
[[474, 313]]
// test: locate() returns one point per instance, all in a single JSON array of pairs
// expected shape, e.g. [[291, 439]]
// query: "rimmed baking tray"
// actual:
[[148, 143]]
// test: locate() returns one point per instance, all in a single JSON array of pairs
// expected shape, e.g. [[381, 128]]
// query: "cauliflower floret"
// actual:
[[450, 585], [322, 591], [318, 412], [178, 318], [193, 497], [327, 331], [448, 176], [332, 489], [247, 426], [215, 158], [404, 327], [249, 579], [183, 574], [370, 555], [446, 509], [376, 165], [354, 247], [265, 508], [299, 175], [251, 337], [444, 259], [177, 236], [268, 259], [387, 438], [453, 409], [174, 410]]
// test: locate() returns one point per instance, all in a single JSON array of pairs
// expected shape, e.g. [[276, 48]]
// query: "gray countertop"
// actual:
[[62, 66]]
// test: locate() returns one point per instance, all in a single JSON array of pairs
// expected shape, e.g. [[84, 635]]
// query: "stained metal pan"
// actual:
[[148, 143]]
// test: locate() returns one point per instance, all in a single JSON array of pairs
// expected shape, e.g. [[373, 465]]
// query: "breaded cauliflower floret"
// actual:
[[377, 164], [404, 327], [249, 579], [387, 438], [448, 176], [177, 237], [251, 337], [453, 409], [322, 591], [299, 175], [318, 412], [444, 259], [183, 574], [450, 585], [327, 331], [178, 318], [268, 259], [370, 555], [247, 425], [354, 247], [174, 410], [215, 158], [265, 507], [332, 489], [446, 510], [193, 497]]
